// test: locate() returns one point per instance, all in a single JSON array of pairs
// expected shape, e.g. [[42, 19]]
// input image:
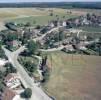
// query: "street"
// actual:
[[37, 92]]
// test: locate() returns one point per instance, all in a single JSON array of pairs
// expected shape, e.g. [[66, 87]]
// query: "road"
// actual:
[[53, 49], [37, 92], [41, 37]]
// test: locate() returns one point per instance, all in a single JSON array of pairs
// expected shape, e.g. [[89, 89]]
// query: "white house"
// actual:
[[64, 23], [85, 21], [51, 24], [3, 62], [12, 81]]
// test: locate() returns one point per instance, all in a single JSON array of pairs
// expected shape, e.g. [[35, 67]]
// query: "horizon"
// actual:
[[43, 1]]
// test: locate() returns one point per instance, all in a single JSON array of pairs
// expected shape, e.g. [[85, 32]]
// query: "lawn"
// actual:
[[74, 77], [90, 28]]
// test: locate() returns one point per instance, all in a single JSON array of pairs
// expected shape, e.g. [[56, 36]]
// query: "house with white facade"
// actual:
[[64, 24], [12, 81]]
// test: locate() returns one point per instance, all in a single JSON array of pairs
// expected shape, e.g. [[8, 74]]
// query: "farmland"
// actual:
[[38, 16], [74, 77]]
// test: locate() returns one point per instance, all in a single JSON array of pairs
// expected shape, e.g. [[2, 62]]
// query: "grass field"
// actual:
[[74, 77], [39, 15], [39, 20], [90, 28]]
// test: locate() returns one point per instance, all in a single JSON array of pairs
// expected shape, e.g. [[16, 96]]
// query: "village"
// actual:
[[57, 35]]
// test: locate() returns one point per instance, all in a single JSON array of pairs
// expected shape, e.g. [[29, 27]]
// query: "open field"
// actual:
[[74, 77], [39, 15], [90, 29]]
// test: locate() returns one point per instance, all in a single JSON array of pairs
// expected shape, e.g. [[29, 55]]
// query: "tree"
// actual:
[[9, 69], [27, 24], [1, 81], [27, 93], [61, 35], [44, 30], [1, 86], [38, 27], [51, 14], [10, 37], [31, 67], [32, 47], [88, 16]]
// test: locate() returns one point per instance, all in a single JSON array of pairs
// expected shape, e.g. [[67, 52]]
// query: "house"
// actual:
[[8, 94], [81, 46], [83, 37], [12, 81], [85, 21], [16, 43], [69, 48], [72, 30], [100, 24], [64, 24], [51, 24], [13, 43], [2, 63], [76, 22]]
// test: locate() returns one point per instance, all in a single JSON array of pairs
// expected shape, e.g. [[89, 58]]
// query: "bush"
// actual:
[[27, 93]]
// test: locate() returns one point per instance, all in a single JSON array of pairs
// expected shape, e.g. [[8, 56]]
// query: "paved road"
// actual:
[[37, 93]]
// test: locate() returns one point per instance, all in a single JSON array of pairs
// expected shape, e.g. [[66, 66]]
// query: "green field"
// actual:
[[39, 15], [90, 28], [74, 77], [39, 20]]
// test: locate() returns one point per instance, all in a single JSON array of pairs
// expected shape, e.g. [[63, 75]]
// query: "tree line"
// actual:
[[90, 5]]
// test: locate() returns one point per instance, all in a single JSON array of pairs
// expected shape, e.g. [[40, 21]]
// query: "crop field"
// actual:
[[74, 77]]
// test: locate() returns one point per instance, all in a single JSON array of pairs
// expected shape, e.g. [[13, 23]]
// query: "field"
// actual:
[[74, 77], [41, 16], [90, 29], [38, 16]]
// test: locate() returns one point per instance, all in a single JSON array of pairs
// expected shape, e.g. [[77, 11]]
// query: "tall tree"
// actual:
[[32, 47]]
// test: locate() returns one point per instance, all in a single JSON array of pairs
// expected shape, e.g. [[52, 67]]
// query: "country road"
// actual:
[[37, 92], [41, 37], [53, 49]]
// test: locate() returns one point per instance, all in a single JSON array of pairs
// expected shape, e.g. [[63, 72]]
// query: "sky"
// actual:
[[45, 0]]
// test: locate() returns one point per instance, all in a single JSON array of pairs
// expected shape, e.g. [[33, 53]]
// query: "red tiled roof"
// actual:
[[9, 76], [8, 94]]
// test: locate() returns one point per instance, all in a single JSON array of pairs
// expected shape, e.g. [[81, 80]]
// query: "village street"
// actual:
[[37, 92]]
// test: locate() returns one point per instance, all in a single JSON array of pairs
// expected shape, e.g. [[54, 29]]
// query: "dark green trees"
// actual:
[[27, 93]]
